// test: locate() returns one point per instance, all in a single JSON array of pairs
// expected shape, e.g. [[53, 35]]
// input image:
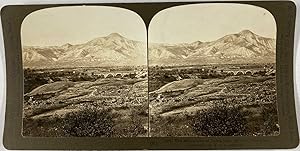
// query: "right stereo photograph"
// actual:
[[212, 71]]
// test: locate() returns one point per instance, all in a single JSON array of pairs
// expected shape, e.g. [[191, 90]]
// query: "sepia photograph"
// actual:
[[89, 72], [212, 71], [149, 75], [85, 73]]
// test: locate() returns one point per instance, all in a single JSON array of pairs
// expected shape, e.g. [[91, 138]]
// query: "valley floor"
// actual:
[[170, 102], [111, 107], [177, 108]]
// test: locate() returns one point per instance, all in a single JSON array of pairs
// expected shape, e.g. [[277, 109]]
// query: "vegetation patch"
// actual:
[[89, 123], [220, 120]]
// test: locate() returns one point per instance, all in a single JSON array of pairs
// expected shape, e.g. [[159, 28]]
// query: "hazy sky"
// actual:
[[188, 23], [208, 22], [79, 24]]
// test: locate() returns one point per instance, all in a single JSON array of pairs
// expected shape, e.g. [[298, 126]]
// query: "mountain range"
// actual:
[[111, 50], [242, 47], [116, 50]]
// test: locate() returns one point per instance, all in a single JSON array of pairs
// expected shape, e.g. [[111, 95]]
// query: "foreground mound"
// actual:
[[179, 85]]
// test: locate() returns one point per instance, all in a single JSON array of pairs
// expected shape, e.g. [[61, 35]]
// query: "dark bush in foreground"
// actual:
[[89, 123], [266, 124], [132, 127], [270, 118], [171, 126], [43, 127], [219, 121]]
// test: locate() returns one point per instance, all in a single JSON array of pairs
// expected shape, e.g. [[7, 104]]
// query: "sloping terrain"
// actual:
[[179, 85], [250, 101], [242, 47], [113, 49], [47, 107]]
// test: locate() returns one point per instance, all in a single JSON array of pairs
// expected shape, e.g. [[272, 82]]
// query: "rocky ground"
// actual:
[[121, 102], [181, 103], [175, 106]]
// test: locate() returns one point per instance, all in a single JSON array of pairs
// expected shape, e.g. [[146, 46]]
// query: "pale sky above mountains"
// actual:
[[181, 24], [208, 22], [79, 24]]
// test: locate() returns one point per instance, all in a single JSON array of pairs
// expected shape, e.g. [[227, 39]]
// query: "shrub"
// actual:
[[89, 123], [270, 118], [43, 127], [171, 126], [131, 127], [220, 120], [263, 121]]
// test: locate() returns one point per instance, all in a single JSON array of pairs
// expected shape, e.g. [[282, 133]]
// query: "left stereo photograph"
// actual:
[[85, 73]]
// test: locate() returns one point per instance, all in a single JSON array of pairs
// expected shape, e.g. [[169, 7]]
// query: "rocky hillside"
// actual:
[[111, 50], [242, 47], [116, 50]]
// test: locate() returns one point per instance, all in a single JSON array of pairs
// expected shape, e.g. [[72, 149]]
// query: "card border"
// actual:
[[284, 13]]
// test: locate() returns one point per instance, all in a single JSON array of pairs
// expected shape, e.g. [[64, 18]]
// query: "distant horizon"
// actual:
[[76, 67], [208, 64], [211, 40], [149, 65], [102, 36], [137, 40]]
